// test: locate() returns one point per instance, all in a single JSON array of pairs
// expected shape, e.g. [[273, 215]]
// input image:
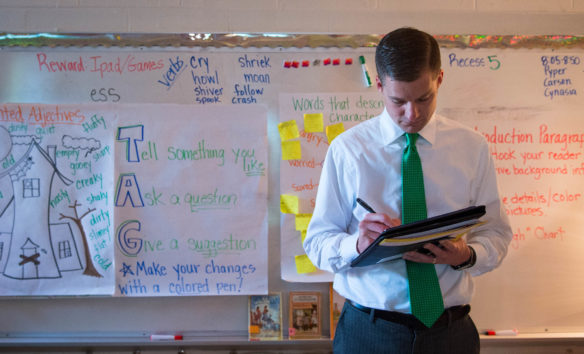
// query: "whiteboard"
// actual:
[[527, 102]]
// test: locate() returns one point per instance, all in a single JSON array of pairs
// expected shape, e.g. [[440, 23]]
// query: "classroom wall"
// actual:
[[526, 17], [502, 17]]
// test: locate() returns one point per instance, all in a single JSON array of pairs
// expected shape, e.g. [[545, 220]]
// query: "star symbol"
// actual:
[[126, 269]]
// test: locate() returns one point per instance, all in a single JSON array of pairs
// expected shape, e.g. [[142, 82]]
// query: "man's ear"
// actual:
[[440, 77], [378, 83]]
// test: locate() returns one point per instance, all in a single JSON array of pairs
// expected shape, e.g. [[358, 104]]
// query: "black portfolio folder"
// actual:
[[395, 241]]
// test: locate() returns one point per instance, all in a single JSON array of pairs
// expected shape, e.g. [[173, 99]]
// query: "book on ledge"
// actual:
[[395, 241]]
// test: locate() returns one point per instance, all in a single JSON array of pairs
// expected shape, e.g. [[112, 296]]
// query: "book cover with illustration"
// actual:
[[265, 317], [336, 303], [305, 317]]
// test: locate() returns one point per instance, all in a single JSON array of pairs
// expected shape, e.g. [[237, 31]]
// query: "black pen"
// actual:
[[365, 205]]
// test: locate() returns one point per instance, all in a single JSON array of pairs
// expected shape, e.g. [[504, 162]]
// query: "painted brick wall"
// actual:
[[293, 16]]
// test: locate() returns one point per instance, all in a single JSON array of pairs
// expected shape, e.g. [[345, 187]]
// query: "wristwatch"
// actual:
[[469, 263]]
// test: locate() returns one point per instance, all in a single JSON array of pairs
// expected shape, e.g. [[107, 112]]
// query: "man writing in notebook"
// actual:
[[408, 163]]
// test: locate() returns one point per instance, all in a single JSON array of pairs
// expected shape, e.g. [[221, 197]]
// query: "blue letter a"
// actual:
[[128, 189]]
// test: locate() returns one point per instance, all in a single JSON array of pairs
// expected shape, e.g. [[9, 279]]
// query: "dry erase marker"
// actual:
[[365, 205], [502, 332], [165, 337], [365, 71]]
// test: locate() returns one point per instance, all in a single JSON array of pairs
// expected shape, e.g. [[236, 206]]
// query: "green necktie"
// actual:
[[425, 295]]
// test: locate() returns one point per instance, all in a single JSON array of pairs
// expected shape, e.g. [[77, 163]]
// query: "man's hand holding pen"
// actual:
[[372, 225]]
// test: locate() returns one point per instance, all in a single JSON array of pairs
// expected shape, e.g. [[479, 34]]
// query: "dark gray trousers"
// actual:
[[360, 332]]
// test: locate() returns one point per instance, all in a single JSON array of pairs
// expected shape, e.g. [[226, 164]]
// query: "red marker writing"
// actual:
[[165, 337]]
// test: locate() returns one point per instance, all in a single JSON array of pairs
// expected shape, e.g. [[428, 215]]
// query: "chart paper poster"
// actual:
[[133, 200], [191, 201], [316, 119], [56, 215]]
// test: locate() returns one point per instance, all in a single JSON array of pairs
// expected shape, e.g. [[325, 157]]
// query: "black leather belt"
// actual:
[[449, 315]]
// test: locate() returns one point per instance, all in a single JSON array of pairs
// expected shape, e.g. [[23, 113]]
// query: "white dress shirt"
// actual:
[[365, 162]]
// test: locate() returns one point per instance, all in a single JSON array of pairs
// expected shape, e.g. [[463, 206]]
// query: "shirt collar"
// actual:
[[391, 132]]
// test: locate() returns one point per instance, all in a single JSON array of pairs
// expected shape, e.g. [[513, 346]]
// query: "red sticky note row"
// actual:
[[291, 64], [306, 63]]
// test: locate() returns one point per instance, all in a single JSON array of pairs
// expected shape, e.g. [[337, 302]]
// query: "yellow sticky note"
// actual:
[[288, 130], [313, 122], [304, 265], [291, 150], [289, 204], [333, 130], [302, 221], [302, 236]]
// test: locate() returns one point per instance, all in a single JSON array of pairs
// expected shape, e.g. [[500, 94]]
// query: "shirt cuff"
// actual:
[[348, 248], [481, 257]]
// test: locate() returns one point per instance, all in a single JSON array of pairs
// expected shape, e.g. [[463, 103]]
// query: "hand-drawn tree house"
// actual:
[[35, 248]]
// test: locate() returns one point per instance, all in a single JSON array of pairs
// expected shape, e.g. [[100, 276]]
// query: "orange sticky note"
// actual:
[[302, 221], [333, 130], [291, 150], [288, 130], [304, 265], [254, 329], [289, 204], [313, 122]]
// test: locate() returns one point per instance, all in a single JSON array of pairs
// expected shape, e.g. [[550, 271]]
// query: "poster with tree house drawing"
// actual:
[[56, 214]]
